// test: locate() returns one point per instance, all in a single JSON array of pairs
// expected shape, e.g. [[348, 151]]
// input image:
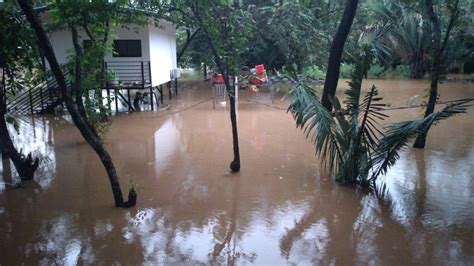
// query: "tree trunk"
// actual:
[[420, 141], [25, 166], [7, 173], [223, 66], [204, 72], [235, 164], [79, 121], [335, 54], [77, 86]]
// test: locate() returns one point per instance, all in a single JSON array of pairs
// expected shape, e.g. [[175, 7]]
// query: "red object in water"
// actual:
[[217, 79], [255, 81], [260, 69], [253, 89]]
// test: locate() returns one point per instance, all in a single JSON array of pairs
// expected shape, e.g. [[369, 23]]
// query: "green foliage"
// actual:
[[403, 71], [198, 50], [376, 71], [346, 70], [293, 31], [19, 55], [191, 74], [300, 32], [226, 30], [282, 32], [12, 121], [95, 20], [314, 72], [410, 35], [21, 78]]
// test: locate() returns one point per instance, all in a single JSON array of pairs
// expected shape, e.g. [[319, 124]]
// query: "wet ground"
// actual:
[[282, 208]]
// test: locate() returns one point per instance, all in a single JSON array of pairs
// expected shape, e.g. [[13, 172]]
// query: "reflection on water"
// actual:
[[166, 143], [282, 208], [437, 191], [60, 244], [35, 136]]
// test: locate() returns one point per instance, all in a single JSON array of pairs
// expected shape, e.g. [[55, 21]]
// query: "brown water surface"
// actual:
[[282, 208]]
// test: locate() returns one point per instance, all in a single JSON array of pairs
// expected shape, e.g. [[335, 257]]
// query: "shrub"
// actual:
[[376, 71], [314, 72], [346, 70], [403, 71]]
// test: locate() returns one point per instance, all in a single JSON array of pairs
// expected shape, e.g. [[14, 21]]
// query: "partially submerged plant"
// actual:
[[350, 140]]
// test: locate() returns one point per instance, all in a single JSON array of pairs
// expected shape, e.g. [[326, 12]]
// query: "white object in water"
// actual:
[[413, 100]]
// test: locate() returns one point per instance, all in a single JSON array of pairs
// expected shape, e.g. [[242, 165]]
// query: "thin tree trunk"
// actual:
[[224, 69], [7, 173], [235, 164], [335, 55], [439, 48], [420, 141], [79, 121]]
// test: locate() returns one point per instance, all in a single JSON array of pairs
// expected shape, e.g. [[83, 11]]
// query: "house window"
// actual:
[[127, 48]]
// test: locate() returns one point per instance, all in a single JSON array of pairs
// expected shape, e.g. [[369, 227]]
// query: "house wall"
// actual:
[[162, 51], [158, 46], [132, 32], [62, 43]]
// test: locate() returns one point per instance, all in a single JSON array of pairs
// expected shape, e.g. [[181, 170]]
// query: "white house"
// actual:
[[141, 52]]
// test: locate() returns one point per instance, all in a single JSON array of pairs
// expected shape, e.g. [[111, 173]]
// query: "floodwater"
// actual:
[[282, 208]]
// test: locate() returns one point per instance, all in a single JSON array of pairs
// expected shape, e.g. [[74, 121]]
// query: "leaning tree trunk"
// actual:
[[25, 166], [420, 141], [335, 54], [77, 92], [78, 120]]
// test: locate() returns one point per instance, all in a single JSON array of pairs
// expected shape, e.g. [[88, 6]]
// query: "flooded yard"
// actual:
[[282, 208]]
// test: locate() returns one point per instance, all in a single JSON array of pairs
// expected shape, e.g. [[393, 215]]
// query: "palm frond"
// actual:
[[316, 122], [360, 71], [369, 128], [399, 134]]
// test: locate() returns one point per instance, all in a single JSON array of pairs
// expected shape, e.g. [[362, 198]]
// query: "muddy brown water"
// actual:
[[282, 208]]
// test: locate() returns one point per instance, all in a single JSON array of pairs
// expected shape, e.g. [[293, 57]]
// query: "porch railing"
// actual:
[[131, 73]]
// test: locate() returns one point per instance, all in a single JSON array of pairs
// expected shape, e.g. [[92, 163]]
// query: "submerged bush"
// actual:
[[346, 70], [403, 71], [376, 71], [314, 72], [356, 149]]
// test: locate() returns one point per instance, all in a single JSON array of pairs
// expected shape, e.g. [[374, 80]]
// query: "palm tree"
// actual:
[[350, 140], [409, 36]]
